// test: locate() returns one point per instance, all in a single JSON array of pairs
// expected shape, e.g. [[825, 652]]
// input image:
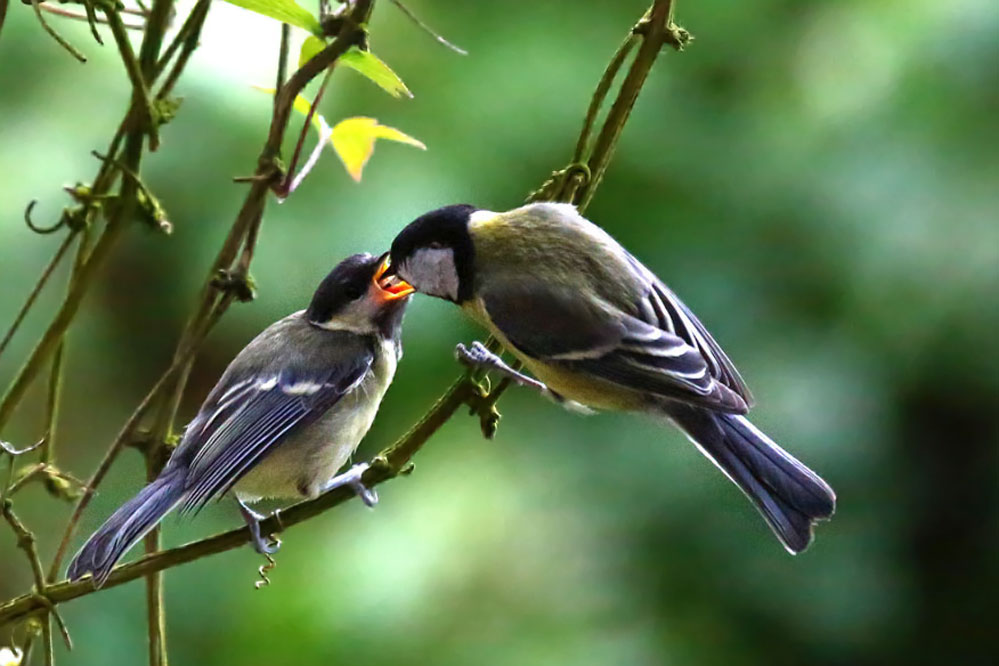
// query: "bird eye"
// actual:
[[354, 291], [436, 245]]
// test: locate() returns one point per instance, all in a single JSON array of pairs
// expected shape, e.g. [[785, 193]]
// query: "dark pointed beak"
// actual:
[[391, 285]]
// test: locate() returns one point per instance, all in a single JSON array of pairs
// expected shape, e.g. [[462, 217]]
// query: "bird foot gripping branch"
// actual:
[[353, 478], [479, 357], [268, 545]]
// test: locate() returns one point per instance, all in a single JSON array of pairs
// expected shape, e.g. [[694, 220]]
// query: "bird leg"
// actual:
[[352, 478], [480, 357], [264, 546]]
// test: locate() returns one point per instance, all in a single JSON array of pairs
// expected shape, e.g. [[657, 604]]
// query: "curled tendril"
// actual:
[[578, 169], [37, 229], [263, 569]]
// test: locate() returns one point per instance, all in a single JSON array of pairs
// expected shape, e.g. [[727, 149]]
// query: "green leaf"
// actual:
[[310, 47], [286, 11], [353, 140], [368, 64]]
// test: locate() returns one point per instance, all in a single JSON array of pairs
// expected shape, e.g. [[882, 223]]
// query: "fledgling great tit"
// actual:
[[598, 328], [287, 413]]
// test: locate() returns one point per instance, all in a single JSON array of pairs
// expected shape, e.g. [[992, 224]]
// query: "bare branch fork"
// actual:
[[228, 279]]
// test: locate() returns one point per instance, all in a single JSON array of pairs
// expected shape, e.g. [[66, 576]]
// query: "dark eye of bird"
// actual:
[[436, 245], [354, 291]]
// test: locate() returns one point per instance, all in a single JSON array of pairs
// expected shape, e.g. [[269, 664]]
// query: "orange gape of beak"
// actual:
[[392, 287]]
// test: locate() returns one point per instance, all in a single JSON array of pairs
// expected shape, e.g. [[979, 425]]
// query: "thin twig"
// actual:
[[655, 28], [3, 13], [292, 180], [157, 22], [282, 68], [187, 36], [49, 341], [600, 94], [324, 136], [92, 20], [427, 29], [26, 542], [53, 398], [47, 647], [67, 13], [36, 290], [55, 35], [155, 609], [140, 88], [193, 25]]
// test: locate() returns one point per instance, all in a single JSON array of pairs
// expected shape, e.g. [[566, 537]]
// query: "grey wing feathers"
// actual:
[[662, 349], [655, 361], [246, 417], [550, 325], [670, 313]]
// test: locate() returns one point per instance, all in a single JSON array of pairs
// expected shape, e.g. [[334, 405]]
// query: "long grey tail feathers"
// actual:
[[127, 525], [790, 496]]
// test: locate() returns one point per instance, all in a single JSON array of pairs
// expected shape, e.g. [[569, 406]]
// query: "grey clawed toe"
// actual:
[[478, 357], [352, 478], [264, 545]]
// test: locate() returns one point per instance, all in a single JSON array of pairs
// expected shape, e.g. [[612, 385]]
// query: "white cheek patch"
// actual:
[[432, 271]]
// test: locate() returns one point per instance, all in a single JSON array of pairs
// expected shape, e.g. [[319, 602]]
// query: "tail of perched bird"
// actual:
[[790, 496], [127, 525]]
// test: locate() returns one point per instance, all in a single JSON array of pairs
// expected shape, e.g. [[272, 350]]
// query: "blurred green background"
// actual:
[[817, 180]]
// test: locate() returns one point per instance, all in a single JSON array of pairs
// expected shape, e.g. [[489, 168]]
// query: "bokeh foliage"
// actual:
[[817, 181]]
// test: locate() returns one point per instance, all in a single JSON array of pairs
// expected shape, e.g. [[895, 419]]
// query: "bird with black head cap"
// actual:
[[597, 329]]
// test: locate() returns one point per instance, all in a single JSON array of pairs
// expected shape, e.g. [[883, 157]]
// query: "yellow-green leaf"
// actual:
[[368, 64], [310, 47], [353, 140], [286, 11]]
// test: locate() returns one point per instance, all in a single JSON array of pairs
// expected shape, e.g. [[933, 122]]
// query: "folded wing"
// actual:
[[245, 420], [646, 351]]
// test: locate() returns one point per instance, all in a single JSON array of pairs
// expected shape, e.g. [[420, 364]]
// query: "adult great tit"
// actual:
[[287, 413], [598, 328]]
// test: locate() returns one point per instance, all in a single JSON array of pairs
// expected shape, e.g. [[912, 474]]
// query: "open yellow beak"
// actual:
[[391, 287]]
